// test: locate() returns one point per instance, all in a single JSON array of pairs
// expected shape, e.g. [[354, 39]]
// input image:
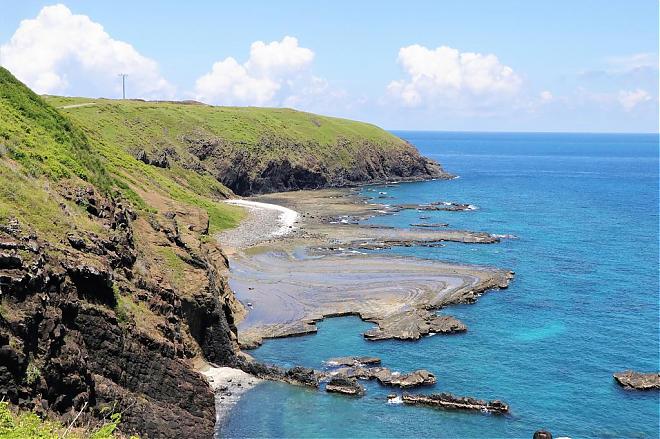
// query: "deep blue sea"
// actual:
[[583, 304]]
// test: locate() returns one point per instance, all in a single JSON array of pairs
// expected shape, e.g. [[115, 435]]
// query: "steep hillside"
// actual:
[[251, 150], [110, 285]]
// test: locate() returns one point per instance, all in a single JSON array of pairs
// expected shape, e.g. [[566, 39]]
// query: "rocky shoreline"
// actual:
[[278, 280], [320, 269]]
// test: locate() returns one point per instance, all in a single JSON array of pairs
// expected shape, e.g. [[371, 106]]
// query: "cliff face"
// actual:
[[111, 286], [94, 320], [247, 173], [253, 150]]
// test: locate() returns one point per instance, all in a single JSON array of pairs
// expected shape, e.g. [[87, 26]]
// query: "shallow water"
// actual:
[[583, 305]]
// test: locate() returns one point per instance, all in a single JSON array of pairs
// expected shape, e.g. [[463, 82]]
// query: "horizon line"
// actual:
[[657, 133]]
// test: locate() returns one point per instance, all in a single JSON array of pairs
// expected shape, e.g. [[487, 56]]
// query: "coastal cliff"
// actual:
[[113, 289], [251, 150]]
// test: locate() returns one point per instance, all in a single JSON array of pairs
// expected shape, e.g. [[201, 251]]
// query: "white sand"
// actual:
[[264, 222], [287, 217], [228, 384]]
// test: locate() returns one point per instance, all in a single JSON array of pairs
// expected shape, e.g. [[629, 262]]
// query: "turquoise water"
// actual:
[[583, 305]]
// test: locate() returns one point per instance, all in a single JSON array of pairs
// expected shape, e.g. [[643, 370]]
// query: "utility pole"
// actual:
[[123, 85]]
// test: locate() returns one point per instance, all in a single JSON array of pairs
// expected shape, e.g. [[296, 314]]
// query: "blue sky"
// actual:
[[470, 65]]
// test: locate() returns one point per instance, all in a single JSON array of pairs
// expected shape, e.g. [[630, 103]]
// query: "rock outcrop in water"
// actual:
[[345, 386], [414, 324], [450, 402], [366, 368], [638, 380]]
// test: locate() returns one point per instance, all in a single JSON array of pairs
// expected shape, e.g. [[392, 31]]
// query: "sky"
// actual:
[[568, 66]]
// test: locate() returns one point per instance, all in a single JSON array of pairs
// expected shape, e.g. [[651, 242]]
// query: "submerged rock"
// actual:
[[638, 380], [345, 386], [451, 402]]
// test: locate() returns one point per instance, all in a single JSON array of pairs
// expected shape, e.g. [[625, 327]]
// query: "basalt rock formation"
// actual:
[[451, 402], [93, 321], [345, 386], [638, 380], [247, 173]]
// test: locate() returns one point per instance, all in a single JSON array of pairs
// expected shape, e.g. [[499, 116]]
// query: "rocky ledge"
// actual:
[[414, 324], [246, 172], [451, 402], [345, 386], [447, 206], [358, 368], [638, 380]]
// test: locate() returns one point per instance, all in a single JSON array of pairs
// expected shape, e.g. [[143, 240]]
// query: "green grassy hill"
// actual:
[[42, 149], [250, 150]]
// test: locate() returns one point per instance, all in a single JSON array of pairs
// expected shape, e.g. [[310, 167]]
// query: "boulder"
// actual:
[[10, 260]]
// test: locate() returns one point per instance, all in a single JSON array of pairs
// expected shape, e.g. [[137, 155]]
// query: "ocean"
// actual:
[[584, 302]]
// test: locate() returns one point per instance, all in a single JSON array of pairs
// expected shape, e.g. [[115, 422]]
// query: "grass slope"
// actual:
[[263, 133], [42, 149]]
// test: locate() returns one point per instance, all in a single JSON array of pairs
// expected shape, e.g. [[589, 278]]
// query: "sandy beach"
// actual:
[[264, 222]]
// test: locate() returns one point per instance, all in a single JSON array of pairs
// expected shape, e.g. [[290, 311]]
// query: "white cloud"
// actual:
[[445, 77], [270, 76], [546, 96], [633, 62], [48, 51], [629, 99]]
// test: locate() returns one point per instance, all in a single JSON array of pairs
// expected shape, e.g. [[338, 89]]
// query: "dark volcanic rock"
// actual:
[[300, 376], [345, 386], [430, 225], [353, 361], [10, 260], [451, 402], [638, 380], [142, 156], [387, 377], [161, 161], [245, 171], [65, 345], [542, 434]]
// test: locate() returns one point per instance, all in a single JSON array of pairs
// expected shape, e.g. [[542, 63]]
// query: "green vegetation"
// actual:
[[32, 374], [41, 139], [40, 146], [263, 133], [46, 140], [135, 122], [21, 425]]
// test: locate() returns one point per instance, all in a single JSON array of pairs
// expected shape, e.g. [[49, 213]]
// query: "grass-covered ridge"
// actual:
[[245, 125], [41, 149], [249, 149]]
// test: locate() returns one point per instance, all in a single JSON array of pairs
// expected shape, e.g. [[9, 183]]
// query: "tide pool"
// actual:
[[583, 304]]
